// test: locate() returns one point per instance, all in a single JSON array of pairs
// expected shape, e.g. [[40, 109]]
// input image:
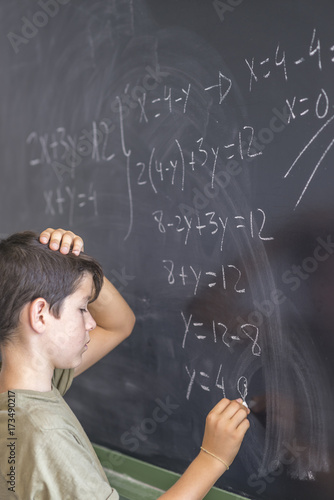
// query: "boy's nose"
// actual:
[[91, 323]]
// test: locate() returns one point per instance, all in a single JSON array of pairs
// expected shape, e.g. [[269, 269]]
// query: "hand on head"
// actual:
[[64, 241]]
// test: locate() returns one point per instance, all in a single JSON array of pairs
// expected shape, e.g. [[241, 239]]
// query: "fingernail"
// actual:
[[239, 400]]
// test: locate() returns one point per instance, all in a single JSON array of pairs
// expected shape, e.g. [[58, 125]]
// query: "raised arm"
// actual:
[[114, 318]]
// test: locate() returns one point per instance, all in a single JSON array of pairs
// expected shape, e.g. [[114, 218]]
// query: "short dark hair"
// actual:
[[30, 269]]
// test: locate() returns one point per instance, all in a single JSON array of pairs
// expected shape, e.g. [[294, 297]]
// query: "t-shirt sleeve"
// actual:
[[61, 468], [62, 379]]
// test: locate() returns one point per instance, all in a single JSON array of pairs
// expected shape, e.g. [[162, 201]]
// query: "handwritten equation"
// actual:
[[262, 69], [68, 200], [105, 141], [180, 163], [229, 277], [219, 332], [211, 381], [212, 224]]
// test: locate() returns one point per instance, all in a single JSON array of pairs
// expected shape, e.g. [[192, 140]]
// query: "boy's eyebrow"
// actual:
[[87, 298]]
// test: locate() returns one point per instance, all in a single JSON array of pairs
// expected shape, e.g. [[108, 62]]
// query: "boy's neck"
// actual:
[[16, 373], [9, 383]]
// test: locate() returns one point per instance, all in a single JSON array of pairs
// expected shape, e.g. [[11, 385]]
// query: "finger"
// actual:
[[243, 427], [221, 406], [233, 408], [71, 241], [44, 237], [55, 238], [239, 417], [244, 405], [66, 242], [78, 245]]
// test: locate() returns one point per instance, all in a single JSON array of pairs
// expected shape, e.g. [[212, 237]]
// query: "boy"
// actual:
[[58, 316]]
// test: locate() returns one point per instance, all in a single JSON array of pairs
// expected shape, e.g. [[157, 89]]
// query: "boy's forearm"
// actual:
[[111, 312], [197, 480]]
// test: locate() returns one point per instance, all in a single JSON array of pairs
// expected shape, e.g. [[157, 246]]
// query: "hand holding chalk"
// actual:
[[226, 425]]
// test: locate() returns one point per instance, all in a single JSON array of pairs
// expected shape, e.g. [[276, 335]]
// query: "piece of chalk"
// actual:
[[245, 404]]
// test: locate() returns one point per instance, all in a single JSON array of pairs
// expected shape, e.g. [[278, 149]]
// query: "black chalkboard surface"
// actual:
[[191, 144]]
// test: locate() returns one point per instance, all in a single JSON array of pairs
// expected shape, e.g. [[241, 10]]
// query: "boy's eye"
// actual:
[[83, 310]]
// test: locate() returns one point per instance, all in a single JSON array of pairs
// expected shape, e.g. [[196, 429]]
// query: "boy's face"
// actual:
[[69, 334]]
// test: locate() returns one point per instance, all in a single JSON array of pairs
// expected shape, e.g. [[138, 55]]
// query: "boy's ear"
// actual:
[[38, 314]]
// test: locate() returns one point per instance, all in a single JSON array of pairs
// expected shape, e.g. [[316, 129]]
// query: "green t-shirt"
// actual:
[[44, 452]]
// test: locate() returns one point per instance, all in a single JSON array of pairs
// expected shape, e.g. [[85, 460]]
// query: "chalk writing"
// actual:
[[264, 68], [224, 85], [242, 387], [66, 200], [219, 332], [60, 148], [210, 381], [212, 224], [304, 150], [228, 277]]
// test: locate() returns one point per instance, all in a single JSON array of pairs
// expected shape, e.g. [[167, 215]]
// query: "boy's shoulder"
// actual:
[[50, 447], [33, 411], [38, 411]]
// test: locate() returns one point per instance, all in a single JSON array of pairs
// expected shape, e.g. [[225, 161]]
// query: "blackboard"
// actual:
[[191, 144]]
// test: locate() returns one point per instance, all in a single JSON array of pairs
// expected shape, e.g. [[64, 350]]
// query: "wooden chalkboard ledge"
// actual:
[[137, 480]]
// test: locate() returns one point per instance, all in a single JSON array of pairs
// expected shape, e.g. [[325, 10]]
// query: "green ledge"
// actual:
[[138, 480]]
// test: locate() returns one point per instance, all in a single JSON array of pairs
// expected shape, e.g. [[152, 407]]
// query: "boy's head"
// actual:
[[29, 270]]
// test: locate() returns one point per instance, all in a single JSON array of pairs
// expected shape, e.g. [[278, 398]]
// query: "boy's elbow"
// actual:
[[130, 324]]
